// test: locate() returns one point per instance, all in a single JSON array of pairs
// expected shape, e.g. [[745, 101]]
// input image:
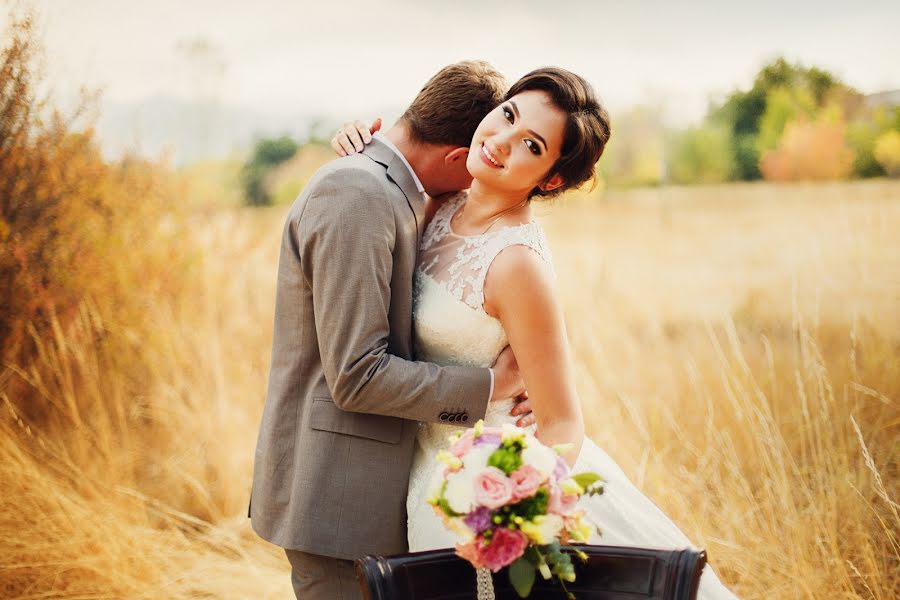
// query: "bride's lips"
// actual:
[[487, 159]]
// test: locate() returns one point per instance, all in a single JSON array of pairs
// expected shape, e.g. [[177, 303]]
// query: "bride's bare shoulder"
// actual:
[[519, 278]]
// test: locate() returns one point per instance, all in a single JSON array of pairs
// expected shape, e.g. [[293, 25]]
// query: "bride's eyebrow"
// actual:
[[531, 131]]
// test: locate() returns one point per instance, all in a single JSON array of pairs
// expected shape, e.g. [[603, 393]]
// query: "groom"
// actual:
[[345, 396]]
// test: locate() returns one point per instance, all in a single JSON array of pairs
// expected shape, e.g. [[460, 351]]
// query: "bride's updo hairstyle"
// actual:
[[587, 124]]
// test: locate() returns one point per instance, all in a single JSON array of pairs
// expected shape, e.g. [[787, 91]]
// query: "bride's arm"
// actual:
[[520, 290]]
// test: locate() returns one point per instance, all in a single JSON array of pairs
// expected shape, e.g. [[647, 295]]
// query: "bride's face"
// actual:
[[517, 143]]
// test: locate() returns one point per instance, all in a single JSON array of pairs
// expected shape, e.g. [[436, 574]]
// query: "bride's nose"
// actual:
[[502, 142]]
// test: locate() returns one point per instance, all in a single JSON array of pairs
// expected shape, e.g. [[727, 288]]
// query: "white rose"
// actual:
[[477, 458], [460, 492], [550, 526], [540, 457], [544, 528]]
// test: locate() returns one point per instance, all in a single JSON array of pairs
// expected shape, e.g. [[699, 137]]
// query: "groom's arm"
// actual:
[[345, 236]]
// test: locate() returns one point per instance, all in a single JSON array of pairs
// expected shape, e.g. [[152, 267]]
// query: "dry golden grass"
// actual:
[[737, 353]]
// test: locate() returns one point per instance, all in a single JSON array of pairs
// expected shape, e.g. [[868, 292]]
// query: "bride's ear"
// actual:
[[551, 183], [460, 153]]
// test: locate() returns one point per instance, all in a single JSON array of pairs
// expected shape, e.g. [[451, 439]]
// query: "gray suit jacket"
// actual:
[[345, 397]]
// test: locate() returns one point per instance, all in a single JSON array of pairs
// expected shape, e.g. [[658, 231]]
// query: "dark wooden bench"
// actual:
[[611, 573]]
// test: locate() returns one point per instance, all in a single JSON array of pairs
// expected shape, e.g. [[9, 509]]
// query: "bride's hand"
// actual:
[[522, 409], [353, 137]]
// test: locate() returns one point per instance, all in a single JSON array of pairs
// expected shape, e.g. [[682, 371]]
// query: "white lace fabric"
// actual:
[[460, 263]]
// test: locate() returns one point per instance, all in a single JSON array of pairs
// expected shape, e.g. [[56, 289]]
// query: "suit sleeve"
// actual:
[[345, 237]]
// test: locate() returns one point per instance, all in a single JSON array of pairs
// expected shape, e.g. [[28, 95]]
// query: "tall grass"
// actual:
[[737, 356], [737, 352]]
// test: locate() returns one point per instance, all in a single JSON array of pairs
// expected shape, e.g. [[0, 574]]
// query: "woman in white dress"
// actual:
[[485, 279]]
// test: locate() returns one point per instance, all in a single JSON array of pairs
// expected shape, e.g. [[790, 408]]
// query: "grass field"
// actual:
[[738, 353]]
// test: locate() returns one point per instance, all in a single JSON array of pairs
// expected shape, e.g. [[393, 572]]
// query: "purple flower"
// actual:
[[562, 469], [479, 519], [488, 438]]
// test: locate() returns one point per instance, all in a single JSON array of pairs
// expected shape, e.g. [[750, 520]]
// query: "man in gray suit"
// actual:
[[345, 394]]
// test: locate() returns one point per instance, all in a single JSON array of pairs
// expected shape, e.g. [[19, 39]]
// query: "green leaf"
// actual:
[[586, 480], [521, 576], [532, 555]]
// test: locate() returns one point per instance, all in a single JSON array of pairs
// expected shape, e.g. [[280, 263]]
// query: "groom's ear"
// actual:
[[460, 153], [551, 183]]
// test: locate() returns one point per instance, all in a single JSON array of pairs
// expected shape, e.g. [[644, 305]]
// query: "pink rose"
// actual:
[[492, 488], [561, 504], [460, 447], [505, 547], [526, 480]]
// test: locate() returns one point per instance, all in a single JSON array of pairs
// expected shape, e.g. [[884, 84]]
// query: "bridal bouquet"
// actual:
[[511, 501]]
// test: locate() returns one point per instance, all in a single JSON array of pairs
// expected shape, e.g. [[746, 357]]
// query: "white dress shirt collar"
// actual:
[[384, 140]]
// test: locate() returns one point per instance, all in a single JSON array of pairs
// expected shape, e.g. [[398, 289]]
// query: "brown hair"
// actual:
[[587, 124], [453, 103]]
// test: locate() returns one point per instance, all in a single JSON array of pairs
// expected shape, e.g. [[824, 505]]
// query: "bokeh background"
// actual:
[[732, 284]]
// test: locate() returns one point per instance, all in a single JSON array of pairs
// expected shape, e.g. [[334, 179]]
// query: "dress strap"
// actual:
[[487, 247]]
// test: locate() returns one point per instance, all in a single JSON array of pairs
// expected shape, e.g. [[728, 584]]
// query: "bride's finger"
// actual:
[[520, 408], [351, 130], [336, 146], [364, 132], [526, 421], [344, 142]]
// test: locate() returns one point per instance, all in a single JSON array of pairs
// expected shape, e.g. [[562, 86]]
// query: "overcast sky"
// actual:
[[343, 58]]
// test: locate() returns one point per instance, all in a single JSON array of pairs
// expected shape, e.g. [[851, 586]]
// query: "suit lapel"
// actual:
[[399, 174]]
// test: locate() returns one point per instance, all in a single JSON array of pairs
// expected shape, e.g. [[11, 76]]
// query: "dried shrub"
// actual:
[[810, 150]]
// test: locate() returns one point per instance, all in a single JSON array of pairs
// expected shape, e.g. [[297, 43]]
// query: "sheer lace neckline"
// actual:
[[459, 263]]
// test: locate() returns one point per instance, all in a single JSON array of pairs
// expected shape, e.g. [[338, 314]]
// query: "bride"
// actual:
[[485, 280]]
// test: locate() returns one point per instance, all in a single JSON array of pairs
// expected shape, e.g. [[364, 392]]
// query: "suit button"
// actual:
[[444, 416], [465, 418]]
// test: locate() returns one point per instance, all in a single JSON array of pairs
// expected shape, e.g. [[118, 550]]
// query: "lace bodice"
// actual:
[[451, 326], [461, 263]]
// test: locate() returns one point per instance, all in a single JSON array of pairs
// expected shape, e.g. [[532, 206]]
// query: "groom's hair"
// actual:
[[453, 103]]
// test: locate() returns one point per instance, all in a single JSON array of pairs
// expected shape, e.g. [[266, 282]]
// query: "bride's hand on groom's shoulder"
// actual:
[[353, 136]]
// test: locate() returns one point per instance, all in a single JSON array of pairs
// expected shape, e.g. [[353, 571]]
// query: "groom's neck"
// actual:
[[417, 154]]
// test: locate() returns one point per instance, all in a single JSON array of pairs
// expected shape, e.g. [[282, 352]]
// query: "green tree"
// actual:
[[887, 152], [743, 112], [268, 154], [783, 105], [862, 135], [700, 155]]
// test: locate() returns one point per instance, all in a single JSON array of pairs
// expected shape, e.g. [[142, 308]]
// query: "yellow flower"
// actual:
[[448, 459], [570, 486], [581, 532], [544, 528]]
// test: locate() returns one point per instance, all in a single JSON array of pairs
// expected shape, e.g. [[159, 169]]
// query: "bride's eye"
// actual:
[[535, 149], [508, 114]]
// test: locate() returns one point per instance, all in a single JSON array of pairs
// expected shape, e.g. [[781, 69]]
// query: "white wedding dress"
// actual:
[[452, 328]]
